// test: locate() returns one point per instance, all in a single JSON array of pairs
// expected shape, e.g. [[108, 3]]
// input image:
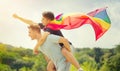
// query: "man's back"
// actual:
[[52, 49]]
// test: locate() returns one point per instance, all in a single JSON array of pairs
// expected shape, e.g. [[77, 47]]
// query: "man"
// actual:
[[51, 47], [46, 19]]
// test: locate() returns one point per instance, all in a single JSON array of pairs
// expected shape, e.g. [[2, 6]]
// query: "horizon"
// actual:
[[74, 48]]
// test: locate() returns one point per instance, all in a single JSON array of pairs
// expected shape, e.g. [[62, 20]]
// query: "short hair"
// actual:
[[35, 27], [49, 15]]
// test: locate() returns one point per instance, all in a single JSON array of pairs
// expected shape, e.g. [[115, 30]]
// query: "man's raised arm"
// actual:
[[27, 21]]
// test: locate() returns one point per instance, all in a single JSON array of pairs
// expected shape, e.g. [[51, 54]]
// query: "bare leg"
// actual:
[[51, 66], [46, 58], [70, 58]]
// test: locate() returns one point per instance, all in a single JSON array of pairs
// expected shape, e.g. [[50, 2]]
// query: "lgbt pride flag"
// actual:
[[98, 19]]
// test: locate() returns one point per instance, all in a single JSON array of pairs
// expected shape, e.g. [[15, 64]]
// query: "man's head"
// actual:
[[47, 16], [34, 30]]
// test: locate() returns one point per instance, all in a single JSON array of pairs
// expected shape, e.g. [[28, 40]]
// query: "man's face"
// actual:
[[32, 34], [45, 21]]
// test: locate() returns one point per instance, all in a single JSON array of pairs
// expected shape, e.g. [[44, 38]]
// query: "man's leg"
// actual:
[[70, 58], [51, 66]]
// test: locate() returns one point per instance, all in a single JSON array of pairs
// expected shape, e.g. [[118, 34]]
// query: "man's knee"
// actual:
[[51, 66]]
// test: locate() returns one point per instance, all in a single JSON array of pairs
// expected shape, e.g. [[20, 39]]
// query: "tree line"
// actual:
[[91, 59]]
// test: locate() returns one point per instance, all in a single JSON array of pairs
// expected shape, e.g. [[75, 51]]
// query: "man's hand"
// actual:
[[35, 51], [15, 16], [26, 21]]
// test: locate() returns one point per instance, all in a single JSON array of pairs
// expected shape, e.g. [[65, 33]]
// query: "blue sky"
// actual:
[[14, 32]]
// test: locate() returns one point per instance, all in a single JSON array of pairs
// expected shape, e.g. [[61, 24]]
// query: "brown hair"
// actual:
[[49, 15], [35, 27]]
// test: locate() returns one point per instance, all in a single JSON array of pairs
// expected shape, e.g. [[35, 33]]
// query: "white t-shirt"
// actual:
[[52, 49]]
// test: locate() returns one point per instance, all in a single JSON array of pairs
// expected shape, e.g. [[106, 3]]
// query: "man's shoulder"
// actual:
[[52, 36]]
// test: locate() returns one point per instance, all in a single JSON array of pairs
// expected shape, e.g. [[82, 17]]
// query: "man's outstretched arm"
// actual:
[[27, 21]]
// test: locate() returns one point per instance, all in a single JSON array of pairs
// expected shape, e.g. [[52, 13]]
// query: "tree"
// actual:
[[40, 63], [18, 64], [117, 49], [98, 53], [7, 59], [4, 67], [28, 65], [104, 67], [114, 63], [89, 66]]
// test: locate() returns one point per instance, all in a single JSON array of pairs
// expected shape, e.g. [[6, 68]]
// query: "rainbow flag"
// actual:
[[102, 19], [98, 19]]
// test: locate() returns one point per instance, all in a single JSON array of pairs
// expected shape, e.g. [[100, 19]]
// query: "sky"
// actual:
[[15, 32]]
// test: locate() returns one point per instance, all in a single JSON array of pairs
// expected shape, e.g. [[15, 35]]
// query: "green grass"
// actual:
[[72, 68]]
